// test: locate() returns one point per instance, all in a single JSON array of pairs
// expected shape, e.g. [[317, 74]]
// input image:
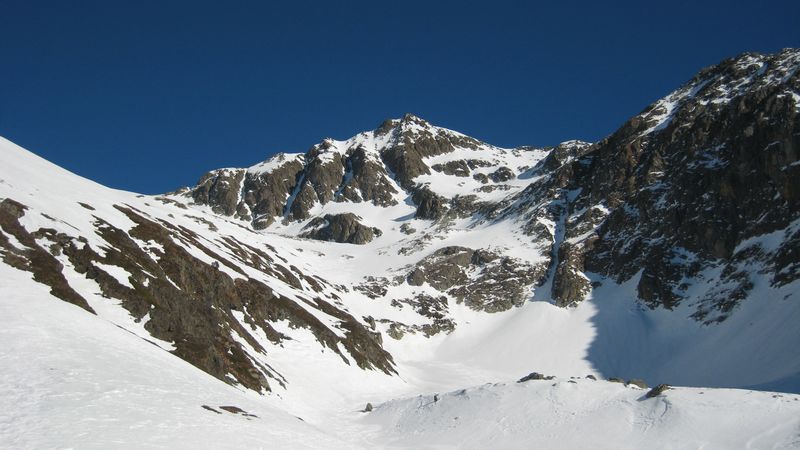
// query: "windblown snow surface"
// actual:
[[70, 379]]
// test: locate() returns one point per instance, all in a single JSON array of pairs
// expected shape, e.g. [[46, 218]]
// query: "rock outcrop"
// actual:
[[415, 140], [430, 206], [257, 195], [483, 280], [342, 228]]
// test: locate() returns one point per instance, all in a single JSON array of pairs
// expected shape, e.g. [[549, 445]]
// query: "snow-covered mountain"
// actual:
[[412, 259]]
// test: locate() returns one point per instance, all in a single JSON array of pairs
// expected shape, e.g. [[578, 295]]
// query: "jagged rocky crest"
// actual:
[[674, 192], [356, 170]]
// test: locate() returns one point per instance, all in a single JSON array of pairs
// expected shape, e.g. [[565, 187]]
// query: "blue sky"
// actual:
[[149, 95]]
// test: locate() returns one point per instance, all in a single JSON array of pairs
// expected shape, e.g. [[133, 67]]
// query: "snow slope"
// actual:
[[72, 380], [581, 413]]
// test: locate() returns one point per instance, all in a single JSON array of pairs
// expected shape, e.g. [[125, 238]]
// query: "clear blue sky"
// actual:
[[148, 95]]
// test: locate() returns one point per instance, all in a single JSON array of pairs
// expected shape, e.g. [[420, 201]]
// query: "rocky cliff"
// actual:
[[681, 192]]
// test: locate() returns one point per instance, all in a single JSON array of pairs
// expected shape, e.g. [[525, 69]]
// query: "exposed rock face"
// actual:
[[430, 206], [697, 174], [407, 229], [254, 195], [290, 185], [414, 140], [570, 285], [189, 302], [483, 280], [501, 174], [265, 195], [433, 308], [482, 177], [463, 206], [343, 228], [368, 181], [564, 153], [679, 189], [220, 190], [323, 174], [373, 287], [443, 269], [458, 168], [46, 269]]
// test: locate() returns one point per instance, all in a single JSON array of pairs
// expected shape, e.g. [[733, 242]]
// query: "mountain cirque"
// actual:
[[675, 238], [677, 190]]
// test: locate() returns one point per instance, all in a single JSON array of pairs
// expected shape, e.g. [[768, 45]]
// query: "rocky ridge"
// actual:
[[682, 191], [671, 196]]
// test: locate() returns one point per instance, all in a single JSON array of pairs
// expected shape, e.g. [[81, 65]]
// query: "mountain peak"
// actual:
[[409, 117], [408, 120]]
